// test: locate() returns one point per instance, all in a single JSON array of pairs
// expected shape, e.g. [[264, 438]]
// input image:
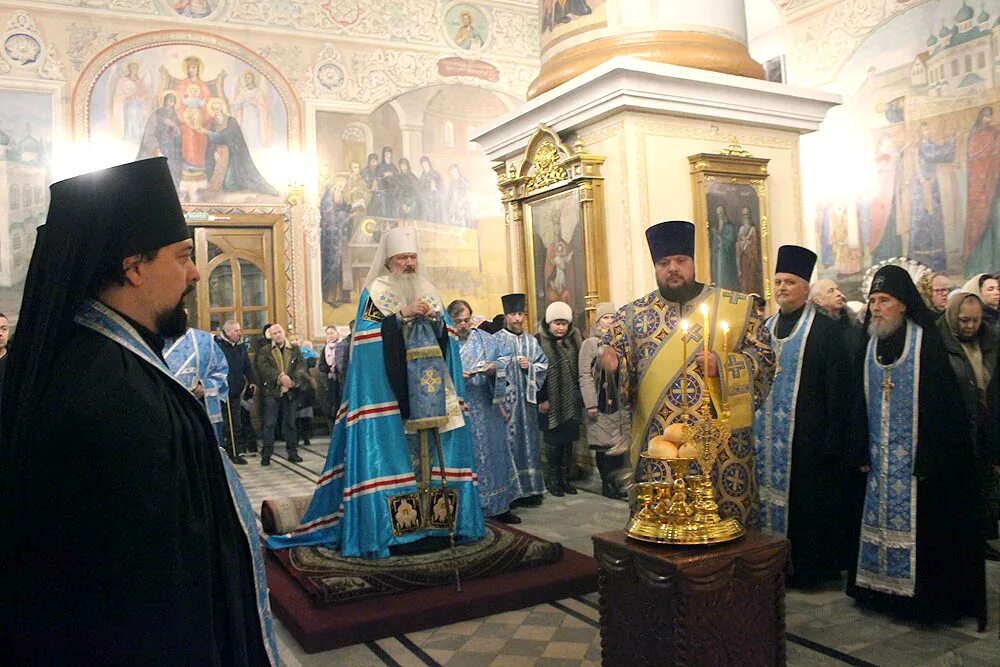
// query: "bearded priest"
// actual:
[[400, 464], [736, 373], [917, 548]]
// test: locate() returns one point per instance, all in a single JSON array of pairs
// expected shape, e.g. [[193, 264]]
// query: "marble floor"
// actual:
[[824, 627]]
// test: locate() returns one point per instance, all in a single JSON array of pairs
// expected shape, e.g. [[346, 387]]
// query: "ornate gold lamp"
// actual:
[[682, 510]]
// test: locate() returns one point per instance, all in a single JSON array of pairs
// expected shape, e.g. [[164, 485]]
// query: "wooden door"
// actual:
[[240, 279]]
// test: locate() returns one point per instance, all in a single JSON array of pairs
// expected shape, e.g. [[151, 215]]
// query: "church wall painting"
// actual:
[[409, 162], [909, 165], [27, 128], [466, 27], [734, 236], [560, 17], [731, 214], [219, 120], [556, 255]]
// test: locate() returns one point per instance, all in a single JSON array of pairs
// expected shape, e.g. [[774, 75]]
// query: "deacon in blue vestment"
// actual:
[[917, 547], [198, 364], [400, 463], [798, 431], [494, 461], [521, 368]]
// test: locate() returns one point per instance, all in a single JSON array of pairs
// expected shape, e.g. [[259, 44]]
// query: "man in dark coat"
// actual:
[[235, 420], [799, 445], [282, 371], [127, 537], [826, 296], [917, 546]]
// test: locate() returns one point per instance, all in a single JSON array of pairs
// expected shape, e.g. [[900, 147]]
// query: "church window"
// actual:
[[954, 67], [15, 197], [449, 134], [980, 60], [968, 64], [26, 195], [39, 194]]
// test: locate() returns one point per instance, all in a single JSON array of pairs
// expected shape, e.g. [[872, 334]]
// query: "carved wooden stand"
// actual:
[[662, 605]]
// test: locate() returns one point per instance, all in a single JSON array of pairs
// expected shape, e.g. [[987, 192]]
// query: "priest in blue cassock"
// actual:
[[494, 461], [199, 364], [400, 463], [521, 368], [917, 546], [798, 431]]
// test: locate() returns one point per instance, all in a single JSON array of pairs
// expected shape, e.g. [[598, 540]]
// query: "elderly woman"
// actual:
[[972, 351], [608, 420], [987, 288]]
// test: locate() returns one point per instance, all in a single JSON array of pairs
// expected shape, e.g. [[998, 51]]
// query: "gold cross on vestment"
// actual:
[[887, 386], [430, 381]]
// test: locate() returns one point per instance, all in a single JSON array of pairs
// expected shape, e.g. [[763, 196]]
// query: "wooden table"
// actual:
[[713, 605]]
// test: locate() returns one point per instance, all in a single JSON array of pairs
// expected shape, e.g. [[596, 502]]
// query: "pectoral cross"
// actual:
[[887, 386]]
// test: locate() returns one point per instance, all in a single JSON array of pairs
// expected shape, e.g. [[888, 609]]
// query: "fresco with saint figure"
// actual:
[[220, 122], [909, 165]]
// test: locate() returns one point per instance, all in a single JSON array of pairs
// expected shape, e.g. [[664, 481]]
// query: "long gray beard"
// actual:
[[404, 285], [885, 329]]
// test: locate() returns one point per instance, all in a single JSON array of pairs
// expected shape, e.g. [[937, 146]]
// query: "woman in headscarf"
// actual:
[[972, 351], [559, 398], [987, 288], [608, 420]]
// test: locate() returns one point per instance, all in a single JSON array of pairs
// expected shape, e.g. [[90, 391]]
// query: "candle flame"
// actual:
[[684, 326], [724, 325], [704, 309]]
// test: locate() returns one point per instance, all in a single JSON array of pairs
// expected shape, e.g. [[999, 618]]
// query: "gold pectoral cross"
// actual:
[[887, 386]]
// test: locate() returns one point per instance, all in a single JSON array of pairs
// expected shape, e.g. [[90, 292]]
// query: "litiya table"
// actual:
[[714, 605]]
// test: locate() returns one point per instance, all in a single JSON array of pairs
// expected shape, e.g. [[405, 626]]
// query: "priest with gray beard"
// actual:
[[917, 551]]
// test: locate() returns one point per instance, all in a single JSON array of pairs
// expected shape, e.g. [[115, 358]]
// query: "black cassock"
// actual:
[[950, 575], [818, 526], [125, 546]]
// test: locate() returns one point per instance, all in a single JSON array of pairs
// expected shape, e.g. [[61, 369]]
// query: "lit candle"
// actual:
[[684, 370], [705, 331], [724, 325]]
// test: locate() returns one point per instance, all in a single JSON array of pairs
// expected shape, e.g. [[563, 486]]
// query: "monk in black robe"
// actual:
[[950, 568], [815, 522], [124, 541]]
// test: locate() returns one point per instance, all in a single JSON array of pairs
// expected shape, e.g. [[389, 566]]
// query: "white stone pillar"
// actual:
[[706, 34]]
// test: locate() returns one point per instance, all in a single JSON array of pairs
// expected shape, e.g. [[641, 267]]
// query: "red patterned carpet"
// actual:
[[320, 619]]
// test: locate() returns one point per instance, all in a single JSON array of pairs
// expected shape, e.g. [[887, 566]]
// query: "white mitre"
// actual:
[[387, 291]]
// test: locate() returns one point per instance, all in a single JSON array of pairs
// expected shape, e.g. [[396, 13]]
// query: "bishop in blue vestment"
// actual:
[[400, 464]]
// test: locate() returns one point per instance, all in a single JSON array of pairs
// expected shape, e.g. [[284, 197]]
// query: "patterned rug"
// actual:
[[329, 578]]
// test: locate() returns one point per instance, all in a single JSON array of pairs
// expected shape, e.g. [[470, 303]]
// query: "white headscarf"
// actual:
[[394, 242]]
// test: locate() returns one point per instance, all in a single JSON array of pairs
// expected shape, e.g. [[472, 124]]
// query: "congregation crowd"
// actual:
[[870, 439]]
